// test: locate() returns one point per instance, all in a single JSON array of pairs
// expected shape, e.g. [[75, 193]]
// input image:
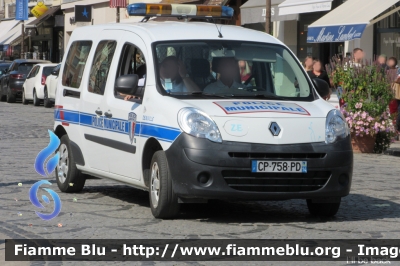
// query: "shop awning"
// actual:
[[304, 6], [50, 12], [348, 21], [253, 11], [14, 33], [6, 26]]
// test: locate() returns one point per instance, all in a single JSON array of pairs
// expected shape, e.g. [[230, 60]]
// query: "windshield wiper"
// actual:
[[269, 96], [208, 94]]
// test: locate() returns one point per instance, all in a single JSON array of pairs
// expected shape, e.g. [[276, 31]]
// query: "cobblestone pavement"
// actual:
[[106, 209]]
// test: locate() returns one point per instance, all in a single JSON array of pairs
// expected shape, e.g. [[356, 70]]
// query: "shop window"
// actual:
[[75, 63], [101, 66]]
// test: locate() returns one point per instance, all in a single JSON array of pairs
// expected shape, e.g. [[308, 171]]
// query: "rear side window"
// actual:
[[101, 66], [75, 63]]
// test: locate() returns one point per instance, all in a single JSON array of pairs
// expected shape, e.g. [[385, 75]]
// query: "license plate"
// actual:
[[278, 166]]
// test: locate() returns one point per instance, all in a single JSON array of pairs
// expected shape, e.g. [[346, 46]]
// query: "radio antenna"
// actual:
[[219, 30]]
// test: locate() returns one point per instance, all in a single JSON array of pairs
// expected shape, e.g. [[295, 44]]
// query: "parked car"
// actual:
[[50, 87], [4, 66], [33, 88], [11, 83]]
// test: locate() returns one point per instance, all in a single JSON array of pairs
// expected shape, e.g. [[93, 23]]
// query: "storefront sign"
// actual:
[[39, 9], [338, 33], [83, 13], [21, 9]]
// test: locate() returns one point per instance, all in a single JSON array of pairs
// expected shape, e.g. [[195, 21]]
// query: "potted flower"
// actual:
[[365, 93]]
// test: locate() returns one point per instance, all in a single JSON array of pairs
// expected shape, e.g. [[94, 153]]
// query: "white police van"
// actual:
[[192, 111]]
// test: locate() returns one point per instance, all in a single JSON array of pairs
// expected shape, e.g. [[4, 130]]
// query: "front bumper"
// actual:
[[202, 169]]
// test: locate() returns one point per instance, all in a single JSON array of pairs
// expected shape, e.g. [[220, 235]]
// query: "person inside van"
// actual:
[[173, 77], [227, 68]]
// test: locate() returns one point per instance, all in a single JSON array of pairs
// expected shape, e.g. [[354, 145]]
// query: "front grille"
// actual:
[[259, 155], [276, 182]]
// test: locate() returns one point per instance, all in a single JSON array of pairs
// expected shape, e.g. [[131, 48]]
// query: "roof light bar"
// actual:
[[179, 10]]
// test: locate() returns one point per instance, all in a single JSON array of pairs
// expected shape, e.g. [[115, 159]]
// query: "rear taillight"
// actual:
[[16, 76], [43, 79]]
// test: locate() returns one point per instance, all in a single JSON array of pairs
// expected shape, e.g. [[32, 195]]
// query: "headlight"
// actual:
[[196, 123], [336, 127]]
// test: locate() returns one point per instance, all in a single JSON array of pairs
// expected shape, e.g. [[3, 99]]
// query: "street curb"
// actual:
[[393, 152]]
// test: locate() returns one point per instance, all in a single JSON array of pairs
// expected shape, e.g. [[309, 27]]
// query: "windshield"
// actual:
[[230, 69]]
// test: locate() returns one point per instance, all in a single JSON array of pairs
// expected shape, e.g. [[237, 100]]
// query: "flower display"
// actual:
[[365, 91]]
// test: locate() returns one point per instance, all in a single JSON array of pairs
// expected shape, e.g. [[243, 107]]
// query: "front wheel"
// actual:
[[46, 101], [163, 201], [24, 100], [36, 101], [327, 209], [69, 178]]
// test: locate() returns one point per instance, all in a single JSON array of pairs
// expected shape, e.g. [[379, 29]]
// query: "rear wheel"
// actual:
[[46, 101], [36, 101], [69, 178], [10, 97], [24, 100], [327, 209], [163, 201], [2, 97]]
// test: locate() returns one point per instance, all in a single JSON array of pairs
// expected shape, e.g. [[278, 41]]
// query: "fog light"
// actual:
[[204, 179], [343, 179]]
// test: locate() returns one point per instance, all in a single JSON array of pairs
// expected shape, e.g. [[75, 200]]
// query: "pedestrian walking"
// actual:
[[319, 72], [308, 63], [382, 62]]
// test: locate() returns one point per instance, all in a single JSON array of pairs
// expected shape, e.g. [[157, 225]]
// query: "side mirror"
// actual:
[[322, 87], [127, 84]]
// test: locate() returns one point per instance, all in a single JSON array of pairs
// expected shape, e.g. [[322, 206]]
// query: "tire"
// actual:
[[46, 101], [328, 209], [36, 101], [163, 201], [66, 171], [24, 100], [2, 97], [10, 97]]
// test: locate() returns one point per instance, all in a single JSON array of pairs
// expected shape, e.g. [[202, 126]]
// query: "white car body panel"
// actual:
[[51, 85]]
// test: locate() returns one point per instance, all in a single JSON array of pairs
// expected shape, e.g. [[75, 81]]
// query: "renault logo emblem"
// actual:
[[275, 129]]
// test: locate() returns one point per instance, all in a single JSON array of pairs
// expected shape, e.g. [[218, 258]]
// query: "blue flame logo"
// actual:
[[45, 165], [45, 153], [35, 201]]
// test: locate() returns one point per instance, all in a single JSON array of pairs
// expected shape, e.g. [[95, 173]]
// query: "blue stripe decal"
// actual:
[[159, 132], [147, 130]]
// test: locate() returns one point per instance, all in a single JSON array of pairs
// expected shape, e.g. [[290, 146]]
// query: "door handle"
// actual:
[[108, 114], [98, 112]]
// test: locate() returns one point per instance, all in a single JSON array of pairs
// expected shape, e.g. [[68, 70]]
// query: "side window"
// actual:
[[284, 79], [37, 68], [75, 63], [101, 66], [13, 66], [33, 72], [132, 61]]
